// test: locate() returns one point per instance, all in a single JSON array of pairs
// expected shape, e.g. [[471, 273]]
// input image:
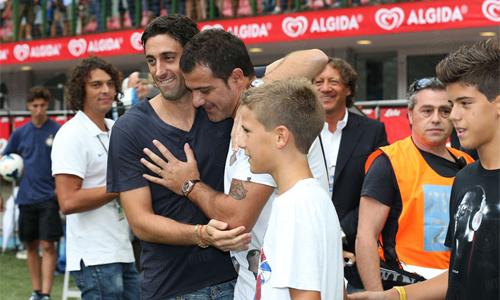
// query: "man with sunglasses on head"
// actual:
[[405, 195]]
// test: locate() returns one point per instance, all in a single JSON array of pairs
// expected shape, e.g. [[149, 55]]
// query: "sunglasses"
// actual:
[[424, 83]]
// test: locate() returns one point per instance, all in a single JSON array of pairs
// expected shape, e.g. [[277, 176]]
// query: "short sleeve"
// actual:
[[13, 144], [380, 182], [124, 167], [68, 155]]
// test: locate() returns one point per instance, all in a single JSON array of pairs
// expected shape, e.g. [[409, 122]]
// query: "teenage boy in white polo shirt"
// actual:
[[99, 253]]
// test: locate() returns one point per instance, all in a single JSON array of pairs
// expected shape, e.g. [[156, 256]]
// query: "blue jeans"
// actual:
[[108, 282], [221, 291]]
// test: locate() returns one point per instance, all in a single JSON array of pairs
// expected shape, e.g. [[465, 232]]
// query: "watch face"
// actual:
[[185, 186]]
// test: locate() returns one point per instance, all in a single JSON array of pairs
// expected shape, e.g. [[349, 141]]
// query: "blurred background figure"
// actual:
[[136, 87], [26, 18]]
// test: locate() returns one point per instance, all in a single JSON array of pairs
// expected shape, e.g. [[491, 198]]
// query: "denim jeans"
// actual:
[[222, 291], [108, 282]]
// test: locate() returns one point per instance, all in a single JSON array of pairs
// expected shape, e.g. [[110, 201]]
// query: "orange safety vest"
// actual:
[[425, 195]]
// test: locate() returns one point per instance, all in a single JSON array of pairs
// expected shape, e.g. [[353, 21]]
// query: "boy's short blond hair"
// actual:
[[292, 103]]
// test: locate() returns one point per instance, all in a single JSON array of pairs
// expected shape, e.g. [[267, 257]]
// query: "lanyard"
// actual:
[[102, 144]]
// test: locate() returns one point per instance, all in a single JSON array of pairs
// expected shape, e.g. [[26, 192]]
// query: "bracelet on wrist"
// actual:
[[198, 238], [401, 291], [202, 240]]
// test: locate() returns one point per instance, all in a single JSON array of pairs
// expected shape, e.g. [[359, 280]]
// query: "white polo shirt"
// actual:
[[98, 236]]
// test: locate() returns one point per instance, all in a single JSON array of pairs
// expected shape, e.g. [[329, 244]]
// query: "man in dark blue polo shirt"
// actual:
[[39, 221]]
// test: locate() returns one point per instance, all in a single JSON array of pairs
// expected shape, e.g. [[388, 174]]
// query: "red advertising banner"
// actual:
[[324, 24], [4, 128], [20, 121], [5, 124], [396, 123], [61, 119]]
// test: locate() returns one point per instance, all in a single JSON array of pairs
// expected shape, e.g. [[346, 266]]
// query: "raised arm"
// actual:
[[372, 218], [74, 199], [303, 63]]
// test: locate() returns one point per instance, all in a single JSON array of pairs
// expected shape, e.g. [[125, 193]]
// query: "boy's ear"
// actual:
[[496, 103], [282, 136]]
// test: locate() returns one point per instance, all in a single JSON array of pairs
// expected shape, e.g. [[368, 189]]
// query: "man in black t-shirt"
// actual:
[[405, 193], [471, 75]]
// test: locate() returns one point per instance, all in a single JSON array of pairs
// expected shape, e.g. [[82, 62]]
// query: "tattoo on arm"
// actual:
[[237, 190]]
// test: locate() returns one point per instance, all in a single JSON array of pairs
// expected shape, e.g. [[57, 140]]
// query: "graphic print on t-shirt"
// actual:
[[436, 216], [253, 261], [474, 235], [468, 220], [476, 239], [264, 274]]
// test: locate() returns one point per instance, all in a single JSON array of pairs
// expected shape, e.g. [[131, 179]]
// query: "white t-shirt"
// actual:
[[302, 246], [246, 262], [98, 236], [331, 142]]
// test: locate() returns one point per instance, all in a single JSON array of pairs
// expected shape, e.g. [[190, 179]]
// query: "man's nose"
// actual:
[[198, 99]]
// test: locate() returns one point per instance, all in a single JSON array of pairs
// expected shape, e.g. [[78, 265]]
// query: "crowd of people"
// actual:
[[241, 187], [68, 17]]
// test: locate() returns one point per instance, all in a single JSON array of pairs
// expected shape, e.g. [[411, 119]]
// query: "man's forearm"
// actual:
[[368, 263], [152, 227], [304, 63], [217, 205], [158, 229], [434, 288], [241, 207], [84, 200]]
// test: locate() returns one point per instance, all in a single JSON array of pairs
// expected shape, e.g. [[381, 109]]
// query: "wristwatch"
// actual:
[[188, 186]]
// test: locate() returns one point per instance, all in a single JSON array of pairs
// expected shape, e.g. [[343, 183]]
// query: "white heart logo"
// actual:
[[21, 52], [294, 27], [77, 47], [491, 10], [389, 19], [214, 26], [135, 41]]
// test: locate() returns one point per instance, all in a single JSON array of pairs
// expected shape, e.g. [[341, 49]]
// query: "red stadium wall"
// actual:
[[324, 24]]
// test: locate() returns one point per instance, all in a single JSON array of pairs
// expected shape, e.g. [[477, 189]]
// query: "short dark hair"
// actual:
[[218, 50], [180, 28], [475, 65], [292, 103], [75, 87], [426, 83], [348, 74], [38, 92]]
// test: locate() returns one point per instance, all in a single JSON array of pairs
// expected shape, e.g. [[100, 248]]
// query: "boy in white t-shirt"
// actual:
[[301, 256]]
